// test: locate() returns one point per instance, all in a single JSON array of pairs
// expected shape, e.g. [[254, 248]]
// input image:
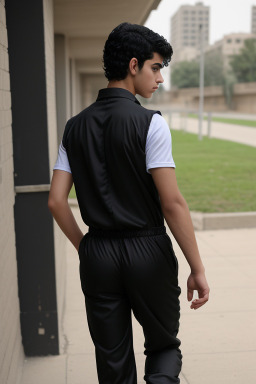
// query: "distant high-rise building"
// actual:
[[253, 19], [185, 30]]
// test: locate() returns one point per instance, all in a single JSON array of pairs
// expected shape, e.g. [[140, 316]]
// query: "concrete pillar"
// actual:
[[31, 56], [87, 91], [73, 86], [91, 84], [62, 83], [79, 103]]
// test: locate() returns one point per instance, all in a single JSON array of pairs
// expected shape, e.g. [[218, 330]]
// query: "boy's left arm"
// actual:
[[61, 184]]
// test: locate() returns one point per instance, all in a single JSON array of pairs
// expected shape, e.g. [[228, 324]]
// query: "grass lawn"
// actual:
[[245, 123], [215, 175], [72, 194]]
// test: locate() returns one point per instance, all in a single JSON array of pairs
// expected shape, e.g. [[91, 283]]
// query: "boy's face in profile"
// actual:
[[147, 79]]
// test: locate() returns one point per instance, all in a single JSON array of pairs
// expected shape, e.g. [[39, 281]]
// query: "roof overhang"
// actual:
[[87, 23]]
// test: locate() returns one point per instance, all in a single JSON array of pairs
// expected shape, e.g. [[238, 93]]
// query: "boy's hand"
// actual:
[[197, 281]]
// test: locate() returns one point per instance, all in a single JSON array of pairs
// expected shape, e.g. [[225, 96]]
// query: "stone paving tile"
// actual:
[[81, 369], [221, 368], [44, 370], [218, 332], [234, 242], [77, 332]]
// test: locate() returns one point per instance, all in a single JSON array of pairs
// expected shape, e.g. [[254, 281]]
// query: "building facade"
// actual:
[[186, 26], [229, 45], [253, 20]]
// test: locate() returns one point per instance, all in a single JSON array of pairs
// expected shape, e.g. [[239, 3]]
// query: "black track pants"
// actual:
[[135, 270]]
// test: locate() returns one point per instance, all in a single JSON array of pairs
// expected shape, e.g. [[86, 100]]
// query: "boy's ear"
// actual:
[[133, 66]]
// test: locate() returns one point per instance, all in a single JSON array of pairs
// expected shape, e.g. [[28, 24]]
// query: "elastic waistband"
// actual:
[[122, 233]]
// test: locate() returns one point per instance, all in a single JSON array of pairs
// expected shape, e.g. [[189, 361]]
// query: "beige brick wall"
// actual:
[[11, 350], [243, 99], [59, 239]]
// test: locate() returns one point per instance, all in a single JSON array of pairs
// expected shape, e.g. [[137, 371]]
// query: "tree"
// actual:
[[185, 74], [214, 70], [244, 64], [228, 87]]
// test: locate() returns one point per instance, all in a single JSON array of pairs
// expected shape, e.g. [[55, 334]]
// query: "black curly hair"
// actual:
[[132, 40]]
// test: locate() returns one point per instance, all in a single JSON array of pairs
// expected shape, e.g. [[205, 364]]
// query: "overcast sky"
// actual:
[[226, 16]]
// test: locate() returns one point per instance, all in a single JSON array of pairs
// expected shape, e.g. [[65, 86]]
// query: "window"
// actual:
[[229, 41], [238, 41]]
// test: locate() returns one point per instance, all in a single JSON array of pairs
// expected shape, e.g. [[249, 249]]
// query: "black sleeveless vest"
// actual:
[[105, 145]]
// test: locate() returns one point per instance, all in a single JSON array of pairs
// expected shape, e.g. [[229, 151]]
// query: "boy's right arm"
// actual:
[[61, 184], [177, 216]]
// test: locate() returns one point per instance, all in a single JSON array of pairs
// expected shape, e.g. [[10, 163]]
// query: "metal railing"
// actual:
[[183, 116]]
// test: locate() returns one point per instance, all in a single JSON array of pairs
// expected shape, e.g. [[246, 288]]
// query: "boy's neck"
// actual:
[[125, 84]]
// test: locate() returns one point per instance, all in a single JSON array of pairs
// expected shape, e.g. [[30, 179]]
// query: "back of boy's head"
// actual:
[[132, 40]]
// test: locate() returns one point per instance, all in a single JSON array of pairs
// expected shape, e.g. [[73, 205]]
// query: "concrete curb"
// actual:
[[73, 202], [209, 221], [230, 220]]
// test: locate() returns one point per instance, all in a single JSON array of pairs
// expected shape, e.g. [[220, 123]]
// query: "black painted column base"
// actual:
[[33, 221]]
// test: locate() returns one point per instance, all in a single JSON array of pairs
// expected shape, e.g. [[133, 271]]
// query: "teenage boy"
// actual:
[[118, 154]]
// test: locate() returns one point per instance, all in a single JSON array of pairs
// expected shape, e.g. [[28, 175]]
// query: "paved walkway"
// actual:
[[218, 340], [231, 132]]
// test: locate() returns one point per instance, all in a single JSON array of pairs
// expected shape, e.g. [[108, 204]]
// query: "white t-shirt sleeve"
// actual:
[[159, 144], [62, 162]]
